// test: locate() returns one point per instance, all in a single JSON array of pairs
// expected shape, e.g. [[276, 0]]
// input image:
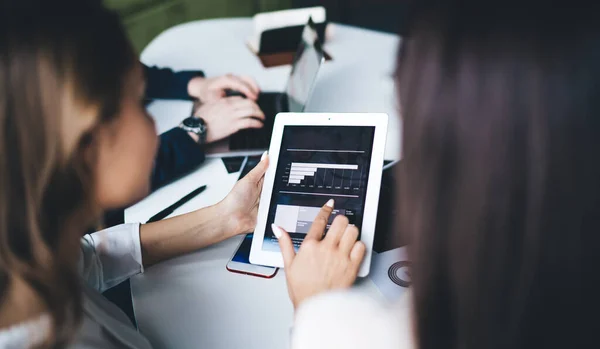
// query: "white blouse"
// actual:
[[108, 257], [349, 320]]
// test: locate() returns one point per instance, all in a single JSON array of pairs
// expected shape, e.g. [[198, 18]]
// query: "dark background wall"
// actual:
[[145, 19]]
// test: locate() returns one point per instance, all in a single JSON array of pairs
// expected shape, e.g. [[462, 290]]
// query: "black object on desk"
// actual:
[[249, 165], [233, 164], [387, 235], [287, 39], [167, 211]]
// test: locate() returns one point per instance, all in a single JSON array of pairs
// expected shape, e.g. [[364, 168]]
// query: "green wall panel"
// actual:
[[145, 19]]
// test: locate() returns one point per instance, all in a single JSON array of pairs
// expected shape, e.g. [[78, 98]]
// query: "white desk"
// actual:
[[192, 301]]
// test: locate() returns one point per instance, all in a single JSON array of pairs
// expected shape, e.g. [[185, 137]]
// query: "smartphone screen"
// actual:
[[240, 262], [242, 255]]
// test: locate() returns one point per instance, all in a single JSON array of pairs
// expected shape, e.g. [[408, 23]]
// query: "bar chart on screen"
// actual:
[[321, 174], [330, 176]]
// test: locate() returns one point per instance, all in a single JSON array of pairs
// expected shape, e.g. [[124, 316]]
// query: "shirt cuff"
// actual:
[[137, 246], [179, 135], [164, 83], [182, 79], [111, 256], [121, 243]]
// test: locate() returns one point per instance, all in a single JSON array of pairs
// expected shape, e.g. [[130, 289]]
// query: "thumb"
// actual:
[[285, 244], [259, 170]]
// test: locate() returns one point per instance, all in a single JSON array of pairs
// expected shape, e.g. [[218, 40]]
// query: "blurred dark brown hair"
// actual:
[[62, 68], [500, 181]]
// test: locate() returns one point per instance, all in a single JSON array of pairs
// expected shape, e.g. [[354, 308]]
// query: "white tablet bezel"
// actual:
[[380, 121]]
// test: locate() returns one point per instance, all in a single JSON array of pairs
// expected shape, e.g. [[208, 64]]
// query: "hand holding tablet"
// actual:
[[316, 157]]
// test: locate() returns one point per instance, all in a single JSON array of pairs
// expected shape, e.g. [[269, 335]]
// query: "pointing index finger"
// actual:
[[320, 223]]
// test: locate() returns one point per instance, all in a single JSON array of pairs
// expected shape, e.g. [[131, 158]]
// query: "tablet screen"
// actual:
[[318, 163]]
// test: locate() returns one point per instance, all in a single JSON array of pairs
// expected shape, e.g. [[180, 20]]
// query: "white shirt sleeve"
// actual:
[[111, 256], [351, 320]]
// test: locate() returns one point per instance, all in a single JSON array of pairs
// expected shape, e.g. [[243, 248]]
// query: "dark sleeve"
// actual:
[[178, 154], [164, 83]]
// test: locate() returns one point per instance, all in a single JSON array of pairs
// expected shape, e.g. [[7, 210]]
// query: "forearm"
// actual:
[[183, 234], [236, 214], [167, 84]]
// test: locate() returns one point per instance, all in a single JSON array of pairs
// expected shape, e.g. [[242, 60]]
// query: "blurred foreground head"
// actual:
[[500, 186]]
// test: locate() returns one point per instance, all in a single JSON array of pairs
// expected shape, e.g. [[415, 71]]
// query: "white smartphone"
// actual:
[[240, 262]]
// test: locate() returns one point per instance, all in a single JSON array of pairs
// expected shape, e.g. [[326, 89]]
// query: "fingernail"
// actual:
[[264, 156], [276, 230], [329, 203]]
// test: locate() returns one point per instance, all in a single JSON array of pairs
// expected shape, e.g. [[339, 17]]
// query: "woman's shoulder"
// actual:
[[28, 334], [347, 319]]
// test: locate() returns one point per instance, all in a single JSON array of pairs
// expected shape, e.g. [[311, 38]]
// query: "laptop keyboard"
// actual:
[[271, 105]]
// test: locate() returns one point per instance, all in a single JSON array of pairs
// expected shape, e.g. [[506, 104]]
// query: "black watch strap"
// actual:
[[195, 125]]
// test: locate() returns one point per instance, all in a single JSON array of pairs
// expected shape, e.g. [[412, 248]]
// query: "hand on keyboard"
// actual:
[[227, 116], [211, 89]]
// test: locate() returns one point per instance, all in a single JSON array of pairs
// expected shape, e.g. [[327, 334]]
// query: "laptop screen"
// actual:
[[304, 70]]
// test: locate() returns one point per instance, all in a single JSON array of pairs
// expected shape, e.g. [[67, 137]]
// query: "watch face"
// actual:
[[193, 122]]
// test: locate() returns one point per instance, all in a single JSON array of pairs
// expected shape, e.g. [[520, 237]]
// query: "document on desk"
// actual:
[[212, 173]]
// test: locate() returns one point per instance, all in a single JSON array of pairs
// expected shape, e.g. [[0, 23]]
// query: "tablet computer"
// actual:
[[315, 157]]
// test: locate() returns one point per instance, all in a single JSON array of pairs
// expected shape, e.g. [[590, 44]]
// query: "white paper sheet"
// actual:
[[212, 173]]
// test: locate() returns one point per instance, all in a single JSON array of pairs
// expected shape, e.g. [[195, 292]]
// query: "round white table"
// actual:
[[193, 301]]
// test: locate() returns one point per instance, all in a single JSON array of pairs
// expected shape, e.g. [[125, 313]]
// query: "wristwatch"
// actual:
[[195, 125]]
